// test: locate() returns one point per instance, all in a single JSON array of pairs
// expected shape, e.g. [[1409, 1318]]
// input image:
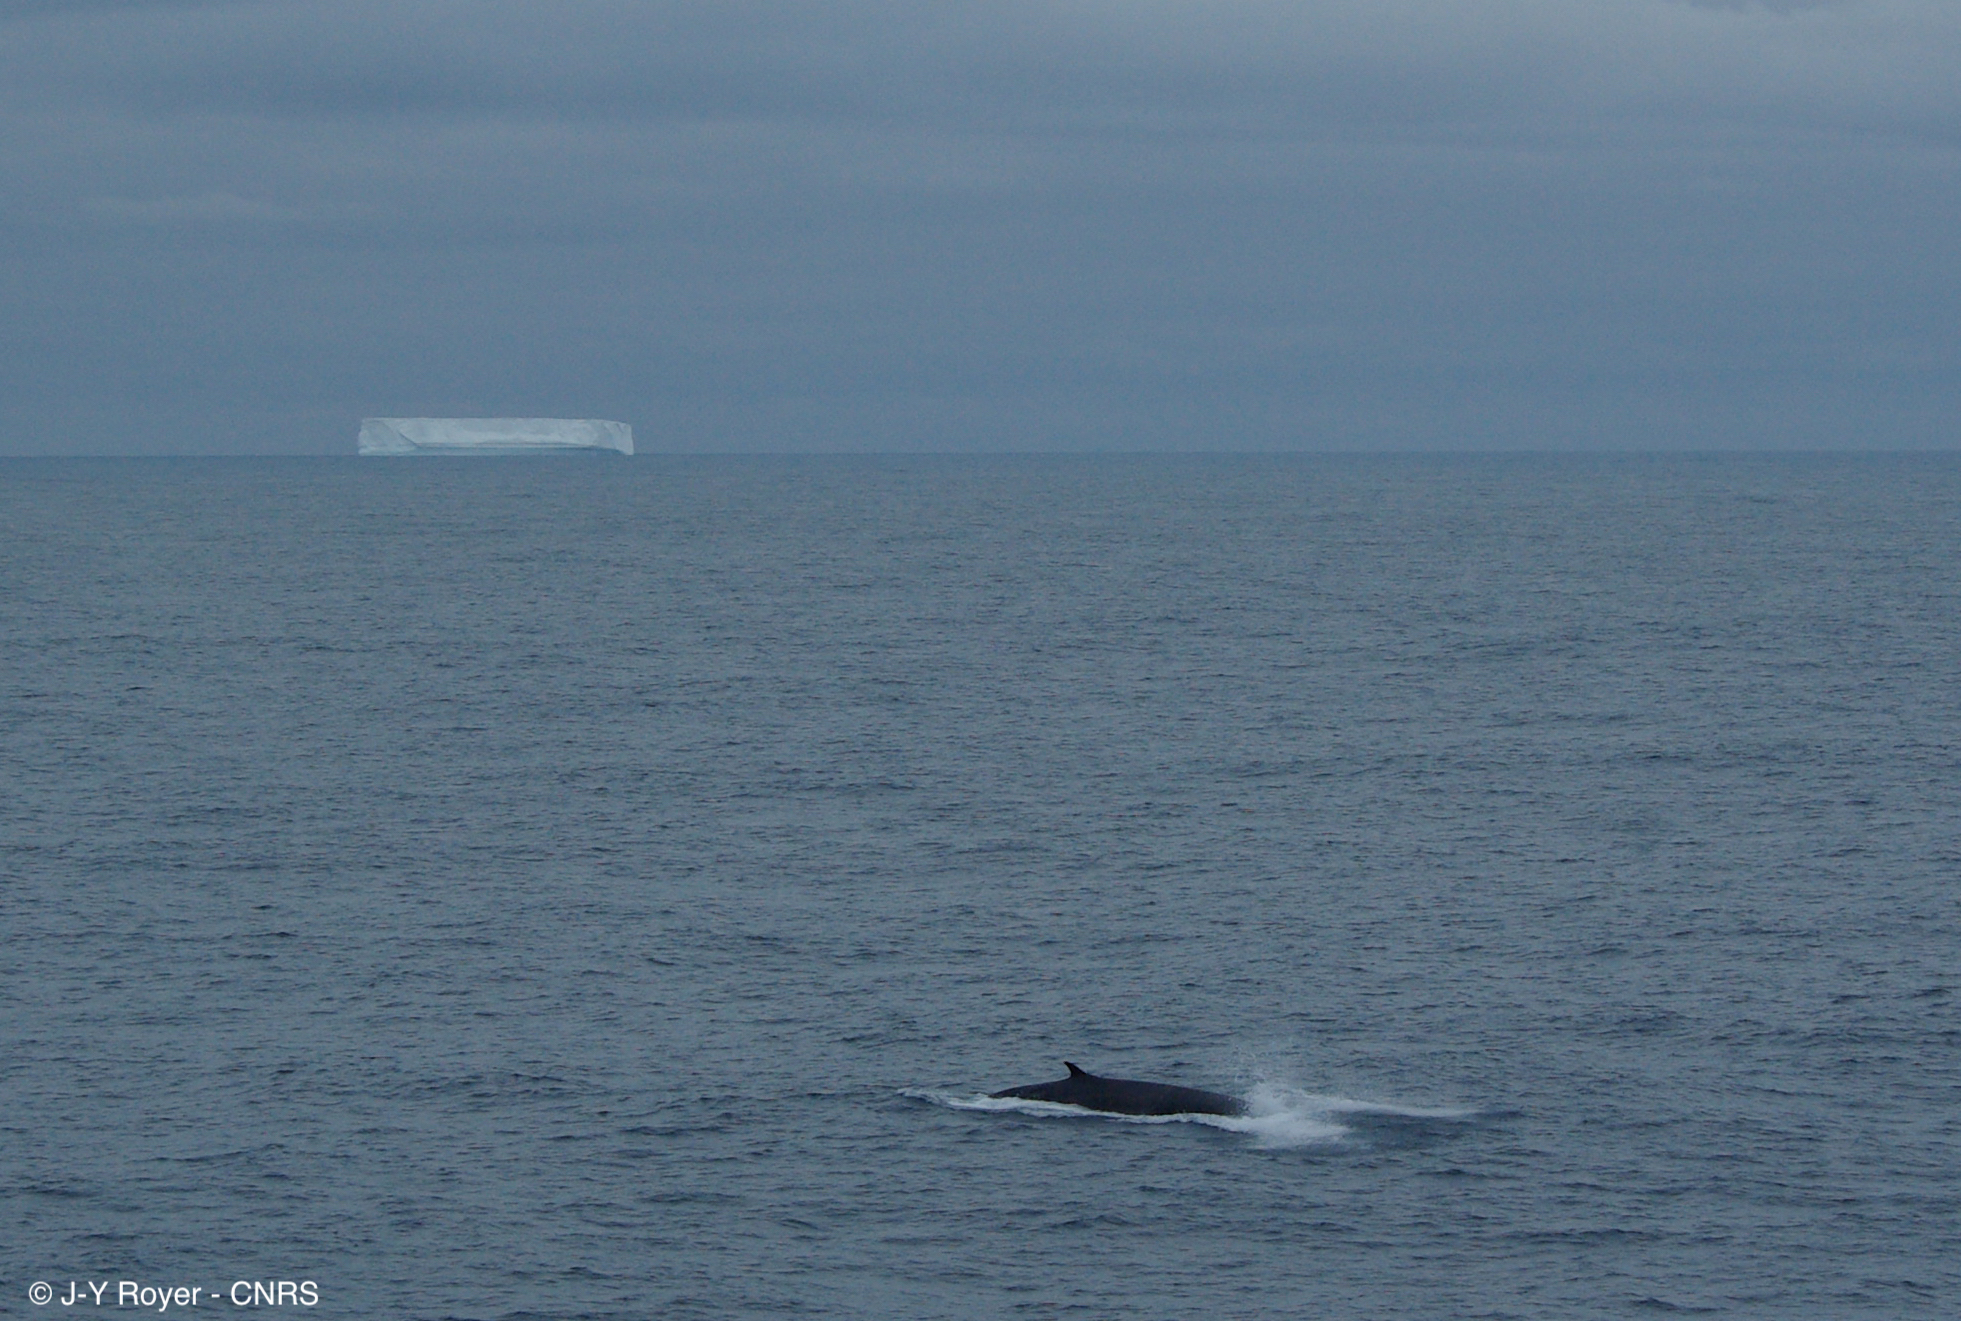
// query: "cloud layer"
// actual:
[[993, 225]]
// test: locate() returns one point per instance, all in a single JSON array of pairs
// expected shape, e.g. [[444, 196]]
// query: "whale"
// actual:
[[1125, 1096]]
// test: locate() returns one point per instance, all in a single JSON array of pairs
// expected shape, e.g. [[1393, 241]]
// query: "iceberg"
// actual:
[[491, 435]]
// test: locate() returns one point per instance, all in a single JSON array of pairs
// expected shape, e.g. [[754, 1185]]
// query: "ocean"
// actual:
[[610, 888]]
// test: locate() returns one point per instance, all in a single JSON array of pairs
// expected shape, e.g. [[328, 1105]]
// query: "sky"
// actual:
[[239, 226]]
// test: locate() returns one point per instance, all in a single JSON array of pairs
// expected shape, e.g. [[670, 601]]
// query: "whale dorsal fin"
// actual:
[[1075, 1072]]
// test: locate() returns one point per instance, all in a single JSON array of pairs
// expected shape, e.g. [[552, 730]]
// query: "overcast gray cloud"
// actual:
[[241, 226]]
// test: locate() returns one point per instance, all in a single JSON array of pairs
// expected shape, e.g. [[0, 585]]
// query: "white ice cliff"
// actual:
[[491, 435]]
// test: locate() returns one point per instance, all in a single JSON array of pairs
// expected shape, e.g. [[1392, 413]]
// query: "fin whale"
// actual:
[[1126, 1096]]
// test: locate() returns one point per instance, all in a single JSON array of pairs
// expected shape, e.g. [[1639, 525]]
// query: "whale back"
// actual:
[[1126, 1096]]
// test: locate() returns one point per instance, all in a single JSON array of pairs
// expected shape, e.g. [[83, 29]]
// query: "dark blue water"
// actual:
[[583, 888]]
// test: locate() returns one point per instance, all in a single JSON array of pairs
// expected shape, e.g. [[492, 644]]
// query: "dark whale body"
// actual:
[[1125, 1096]]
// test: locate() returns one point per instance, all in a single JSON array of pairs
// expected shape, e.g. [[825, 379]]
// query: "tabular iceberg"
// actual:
[[491, 435]]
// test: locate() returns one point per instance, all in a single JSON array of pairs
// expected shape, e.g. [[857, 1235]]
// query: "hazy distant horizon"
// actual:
[[1008, 225]]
